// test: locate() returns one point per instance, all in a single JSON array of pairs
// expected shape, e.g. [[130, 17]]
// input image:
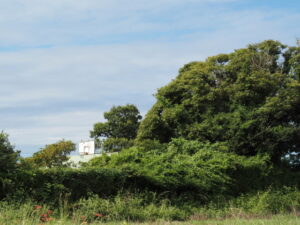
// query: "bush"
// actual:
[[263, 203], [50, 185], [116, 144], [8, 156], [131, 207], [181, 169], [8, 164], [249, 98], [184, 166], [285, 200]]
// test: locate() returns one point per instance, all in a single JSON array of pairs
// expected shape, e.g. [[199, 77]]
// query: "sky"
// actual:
[[65, 62]]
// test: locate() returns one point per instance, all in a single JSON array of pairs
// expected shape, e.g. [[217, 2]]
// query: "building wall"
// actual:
[[87, 148], [75, 160]]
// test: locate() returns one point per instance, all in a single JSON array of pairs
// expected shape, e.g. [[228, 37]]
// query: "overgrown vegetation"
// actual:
[[248, 100], [148, 206], [119, 130], [54, 155], [222, 140]]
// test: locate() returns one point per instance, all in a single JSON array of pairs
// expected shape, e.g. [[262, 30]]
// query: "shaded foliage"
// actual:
[[8, 164], [190, 166], [122, 122], [249, 99], [8, 155], [120, 128], [53, 155], [116, 144], [53, 185]]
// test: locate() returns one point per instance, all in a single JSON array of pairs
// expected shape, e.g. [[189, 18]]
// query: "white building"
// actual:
[[87, 151], [87, 147]]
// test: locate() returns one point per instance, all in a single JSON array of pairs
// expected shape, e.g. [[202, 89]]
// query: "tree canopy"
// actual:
[[119, 129], [122, 122], [248, 99], [8, 155], [52, 155]]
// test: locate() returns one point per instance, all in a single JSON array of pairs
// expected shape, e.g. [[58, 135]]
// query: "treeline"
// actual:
[[199, 172], [224, 128]]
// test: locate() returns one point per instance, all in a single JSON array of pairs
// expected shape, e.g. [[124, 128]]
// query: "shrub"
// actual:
[[131, 207], [285, 200], [184, 166], [50, 185]]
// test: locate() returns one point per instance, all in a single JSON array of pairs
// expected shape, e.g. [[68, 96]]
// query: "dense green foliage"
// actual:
[[53, 155], [8, 164], [50, 185], [115, 144], [151, 207], [248, 100], [8, 155], [119, 130], [223, 137], [122, 122], [190, 167]]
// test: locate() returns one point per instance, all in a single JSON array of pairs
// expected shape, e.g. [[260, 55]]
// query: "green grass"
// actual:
[[273, 220], [261, 208]]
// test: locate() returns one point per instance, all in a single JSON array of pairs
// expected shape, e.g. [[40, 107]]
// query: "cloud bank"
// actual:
[[63, 63]]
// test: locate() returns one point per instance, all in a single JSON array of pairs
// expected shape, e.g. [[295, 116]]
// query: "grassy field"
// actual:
[[265, 208], [272, 220]]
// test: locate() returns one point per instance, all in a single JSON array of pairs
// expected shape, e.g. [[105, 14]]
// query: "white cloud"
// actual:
[[51, 93], [34, 22], [51, 128]]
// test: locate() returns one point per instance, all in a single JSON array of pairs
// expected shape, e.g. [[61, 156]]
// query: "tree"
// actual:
[[52, 155], [121, 127], [248, 99], [8, 155]]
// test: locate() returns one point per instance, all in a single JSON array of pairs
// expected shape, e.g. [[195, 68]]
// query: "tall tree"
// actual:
[[120, 128], [8, 155], [249, 99], [53, 155]]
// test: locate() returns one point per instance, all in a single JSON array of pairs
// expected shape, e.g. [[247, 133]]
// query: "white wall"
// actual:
[[86, 147]]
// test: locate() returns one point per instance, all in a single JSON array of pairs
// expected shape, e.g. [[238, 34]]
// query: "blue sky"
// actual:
[[65, 62]]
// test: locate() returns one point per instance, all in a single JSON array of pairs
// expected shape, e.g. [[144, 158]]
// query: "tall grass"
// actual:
[[149, 207], [129, 207], [260, 204]]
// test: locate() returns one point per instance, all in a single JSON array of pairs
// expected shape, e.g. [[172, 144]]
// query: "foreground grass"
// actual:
[[272, 220], [274, 207]]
